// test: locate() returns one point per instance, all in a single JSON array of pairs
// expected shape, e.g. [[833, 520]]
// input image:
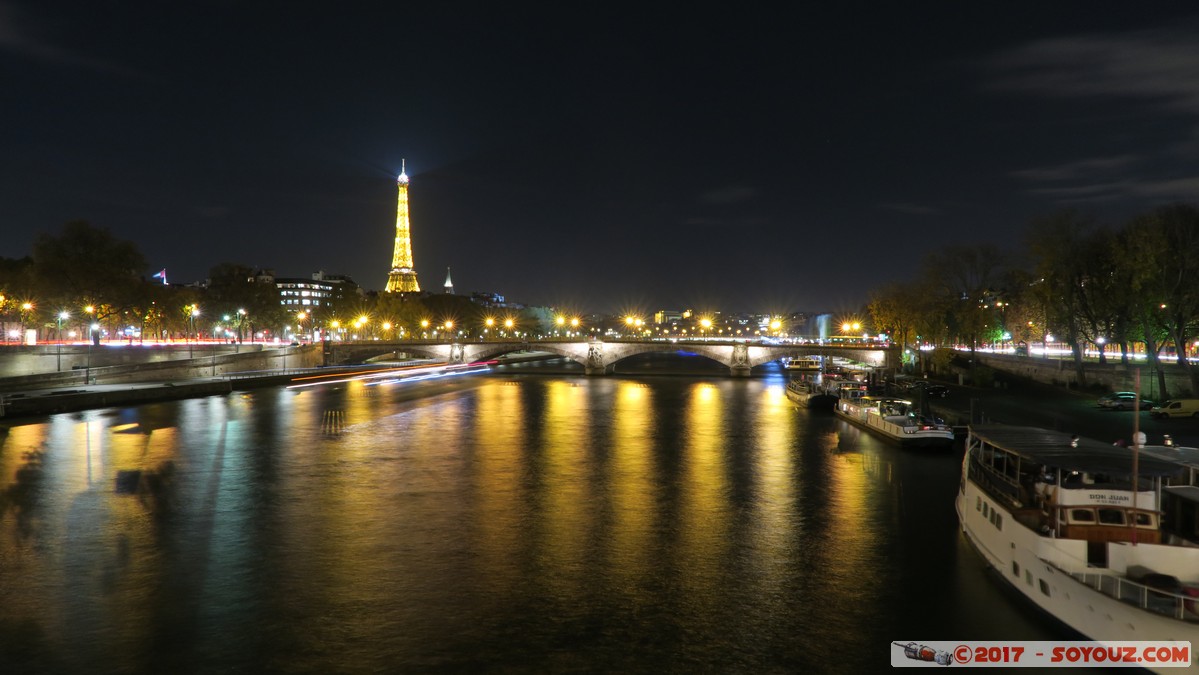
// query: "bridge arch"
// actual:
[[599, 357]]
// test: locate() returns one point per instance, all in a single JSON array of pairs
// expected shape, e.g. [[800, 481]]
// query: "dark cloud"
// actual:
[[913, 209], [20, 37]]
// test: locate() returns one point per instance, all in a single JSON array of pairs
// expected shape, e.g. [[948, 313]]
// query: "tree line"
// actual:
[[1123, 289], [84, 275]]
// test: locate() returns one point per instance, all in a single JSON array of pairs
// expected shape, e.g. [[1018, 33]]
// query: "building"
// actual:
[[402, 278], [322, 292], [449, 285]]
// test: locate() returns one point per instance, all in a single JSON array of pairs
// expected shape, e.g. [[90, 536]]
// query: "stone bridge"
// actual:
[[598, 357]]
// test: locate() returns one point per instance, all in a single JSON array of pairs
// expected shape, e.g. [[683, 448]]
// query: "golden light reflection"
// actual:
[[497, 489], [774, 524], [704, 494], [568, 505], [631, 484], [853, 472]]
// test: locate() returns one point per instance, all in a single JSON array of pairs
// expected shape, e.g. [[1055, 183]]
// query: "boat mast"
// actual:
[[1137, 439]]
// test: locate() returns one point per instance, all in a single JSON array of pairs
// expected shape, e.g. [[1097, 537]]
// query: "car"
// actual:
[[914, 387], [937, 390], [1179, 407], [1123, 400]]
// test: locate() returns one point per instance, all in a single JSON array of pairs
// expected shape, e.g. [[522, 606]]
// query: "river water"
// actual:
[[506, 522]]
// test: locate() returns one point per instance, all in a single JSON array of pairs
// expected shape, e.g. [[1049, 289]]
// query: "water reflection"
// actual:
[[506, 523]]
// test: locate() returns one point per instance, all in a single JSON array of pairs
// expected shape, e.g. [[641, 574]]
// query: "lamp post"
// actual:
[[62, 316], [195, 311], [26, 308], [91, 333]]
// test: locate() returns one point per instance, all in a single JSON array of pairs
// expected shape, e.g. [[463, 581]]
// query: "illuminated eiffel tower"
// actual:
[[402, 278]]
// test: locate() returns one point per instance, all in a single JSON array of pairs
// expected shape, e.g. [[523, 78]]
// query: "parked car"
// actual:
[[937, 390], [1182, 407], [1123, 400]]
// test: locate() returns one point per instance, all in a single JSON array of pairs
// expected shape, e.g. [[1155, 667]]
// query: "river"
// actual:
[[504, 522]]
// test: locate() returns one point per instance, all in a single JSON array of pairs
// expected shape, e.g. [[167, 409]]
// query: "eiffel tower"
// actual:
[[402, 278]]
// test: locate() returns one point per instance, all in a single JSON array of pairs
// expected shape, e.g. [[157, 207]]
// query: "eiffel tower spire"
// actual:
[[402, 278]]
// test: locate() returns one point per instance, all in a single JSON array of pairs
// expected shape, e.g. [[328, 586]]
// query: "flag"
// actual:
[[161, 275]]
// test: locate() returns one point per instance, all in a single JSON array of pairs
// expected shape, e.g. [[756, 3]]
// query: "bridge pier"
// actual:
[[739, 367], [595, 364]]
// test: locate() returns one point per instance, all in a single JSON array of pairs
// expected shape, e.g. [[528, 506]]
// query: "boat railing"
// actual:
[[995, 483], [1180, 606]]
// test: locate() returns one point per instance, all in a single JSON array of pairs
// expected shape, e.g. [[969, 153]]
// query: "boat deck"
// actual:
[[1177, 605]]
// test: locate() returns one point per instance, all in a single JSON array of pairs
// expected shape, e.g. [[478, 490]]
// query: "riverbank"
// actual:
[[34, 401], [84, 397]]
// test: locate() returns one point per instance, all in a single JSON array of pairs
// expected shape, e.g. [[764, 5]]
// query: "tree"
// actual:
[[1054, 246], [961, 280], [1164, 249], [86, 262]]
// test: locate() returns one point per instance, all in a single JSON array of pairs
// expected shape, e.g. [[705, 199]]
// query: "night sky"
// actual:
[[599, 156]]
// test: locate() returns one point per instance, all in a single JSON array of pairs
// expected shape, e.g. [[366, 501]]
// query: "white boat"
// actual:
[[893, 418], [1058, 518], [807, 364], [810, 394]]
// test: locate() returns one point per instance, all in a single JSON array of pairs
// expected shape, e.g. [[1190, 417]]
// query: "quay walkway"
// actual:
[[31, 400]]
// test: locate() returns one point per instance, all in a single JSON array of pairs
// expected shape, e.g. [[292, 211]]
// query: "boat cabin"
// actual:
[[1068, 487]]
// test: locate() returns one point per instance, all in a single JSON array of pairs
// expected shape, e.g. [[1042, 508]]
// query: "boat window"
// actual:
[[1111, 517], [978, 506], [999, 522], [1145, 520], [986, 510], [1015, 569], [1044, 587], [1028, 577], [1082, 516]]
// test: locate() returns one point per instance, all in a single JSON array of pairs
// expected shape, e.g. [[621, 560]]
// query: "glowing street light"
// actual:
[[300, 317], [195, 311], [62, 316]]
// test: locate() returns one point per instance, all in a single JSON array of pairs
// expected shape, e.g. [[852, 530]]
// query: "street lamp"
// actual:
[[300, 316], [26, 308], [195, 311], [87, 371], [90, 310], [62, 316]]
